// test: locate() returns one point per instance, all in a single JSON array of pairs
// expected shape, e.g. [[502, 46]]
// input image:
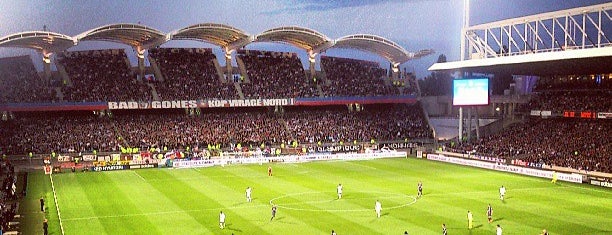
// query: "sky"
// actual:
[[413, 24]]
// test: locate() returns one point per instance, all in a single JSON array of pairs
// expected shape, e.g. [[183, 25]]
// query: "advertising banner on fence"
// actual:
[[110, 168], [576, 178], [339, 148], [601, 183], [178, 163]]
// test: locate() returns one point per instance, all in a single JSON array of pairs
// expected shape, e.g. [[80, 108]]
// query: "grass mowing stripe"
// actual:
[[196, 194], [262, 192], [198, 199], [289, 183], [109, 198]]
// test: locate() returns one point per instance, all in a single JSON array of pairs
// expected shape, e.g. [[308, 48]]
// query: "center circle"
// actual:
[[311, 198]]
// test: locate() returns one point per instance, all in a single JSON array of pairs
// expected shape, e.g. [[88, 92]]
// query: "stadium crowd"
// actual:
[[572, 100], [352, 77], [8, 205], [333, 125], [275, 75], [581, 93], [189, 73], [20, 82], [575, 143], [101, 75], [84, 132], [61, 133]]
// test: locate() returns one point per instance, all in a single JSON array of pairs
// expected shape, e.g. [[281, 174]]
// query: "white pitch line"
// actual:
[[139, 176]]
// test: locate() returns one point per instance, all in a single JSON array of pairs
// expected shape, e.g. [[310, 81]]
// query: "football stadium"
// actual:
[[126, 129]]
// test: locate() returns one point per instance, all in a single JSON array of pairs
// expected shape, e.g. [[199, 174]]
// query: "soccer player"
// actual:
[[269, 171], [378, 208], [544, 232], [248, 194], [333, 232], [502, 192], [42, 204], [45, 227], [221, 220], [470, 220], [554, 177], [444, 229], [419, 190], [339, 190], [499, 230], [273, 212], [490, 213]]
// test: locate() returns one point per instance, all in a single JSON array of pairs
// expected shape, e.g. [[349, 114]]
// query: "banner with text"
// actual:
[[576, 178], [181, 104]]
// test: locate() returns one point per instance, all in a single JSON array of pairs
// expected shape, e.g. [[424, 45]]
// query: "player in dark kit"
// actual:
[[269, 171], [273, 212], [490, 213], [419, 189], [42, 204], [45, 227]]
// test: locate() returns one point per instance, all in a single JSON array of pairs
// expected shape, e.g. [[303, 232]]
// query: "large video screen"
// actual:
[[472, 91]]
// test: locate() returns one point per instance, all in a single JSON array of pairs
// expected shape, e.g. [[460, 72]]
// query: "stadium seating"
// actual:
[[575, 143], [20, 83], [62, 133], [189, 73], [351, 77], [275, 75], [583, 93], [101, 75], [83, 132], [334, 125]]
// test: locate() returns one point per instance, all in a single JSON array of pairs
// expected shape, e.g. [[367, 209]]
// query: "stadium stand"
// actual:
[[547, 142], [83, 132], [67, 132], [101, 75], [189, 73], [275, 75], [351, 77], [8, 205], [583, 93], [20, 82], [337, 124]]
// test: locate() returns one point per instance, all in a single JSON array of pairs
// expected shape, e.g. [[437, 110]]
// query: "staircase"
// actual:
[[156, 71], [219, 70], [239, 90], [242, 69]]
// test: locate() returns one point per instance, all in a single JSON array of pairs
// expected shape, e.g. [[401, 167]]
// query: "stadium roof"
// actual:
[[379, 45], [135, 35], [582, 61], [142, 37], [47, 42], [218, 34], [300, 37]]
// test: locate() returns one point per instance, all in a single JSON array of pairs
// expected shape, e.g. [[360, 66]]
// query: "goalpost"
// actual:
[[59, 214]]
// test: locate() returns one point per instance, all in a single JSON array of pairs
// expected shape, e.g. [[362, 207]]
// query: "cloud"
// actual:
[[294, 6]]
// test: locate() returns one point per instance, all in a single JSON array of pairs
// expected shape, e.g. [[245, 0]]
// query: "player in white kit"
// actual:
[[248, 194]]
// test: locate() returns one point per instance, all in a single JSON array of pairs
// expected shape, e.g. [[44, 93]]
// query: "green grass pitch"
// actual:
[[188, 201]]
